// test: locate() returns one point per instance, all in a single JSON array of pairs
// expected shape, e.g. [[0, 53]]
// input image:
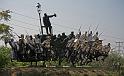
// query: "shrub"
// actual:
[[86, 75], [122, 73], [100, 75], [4, 56]]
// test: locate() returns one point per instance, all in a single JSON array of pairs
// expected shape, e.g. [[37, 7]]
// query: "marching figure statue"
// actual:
[[71, 35], [95, 37], [47, 23], [78, 35], [90, 36]]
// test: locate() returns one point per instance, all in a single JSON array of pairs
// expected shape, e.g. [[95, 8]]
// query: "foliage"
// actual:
[[4, 56], [5, 15], [114, 58], [122, 73], [86, 75], [5, 30], [5, 59], [110, 62]]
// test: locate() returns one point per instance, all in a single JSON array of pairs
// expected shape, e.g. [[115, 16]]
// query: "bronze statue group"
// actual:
[[81, 48]]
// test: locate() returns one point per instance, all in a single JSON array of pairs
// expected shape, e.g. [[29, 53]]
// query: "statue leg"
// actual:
[[47, 30], [50, 29]]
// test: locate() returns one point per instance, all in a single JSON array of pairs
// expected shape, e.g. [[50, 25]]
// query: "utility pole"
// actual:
[[119, 47], [39, 12], [120, 51]]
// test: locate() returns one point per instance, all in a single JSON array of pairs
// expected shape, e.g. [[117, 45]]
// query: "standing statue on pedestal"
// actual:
[[47, 23]]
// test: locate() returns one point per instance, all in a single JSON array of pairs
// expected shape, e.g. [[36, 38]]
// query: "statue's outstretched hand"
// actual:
[[54, 14]]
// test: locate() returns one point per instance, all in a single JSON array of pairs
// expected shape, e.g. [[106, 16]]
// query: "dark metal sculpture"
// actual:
[[74, 50]]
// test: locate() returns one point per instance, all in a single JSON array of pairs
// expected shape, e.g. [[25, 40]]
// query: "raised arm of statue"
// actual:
[[52, 15]]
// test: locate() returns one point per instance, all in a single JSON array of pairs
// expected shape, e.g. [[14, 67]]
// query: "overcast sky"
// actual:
[[71, 14]]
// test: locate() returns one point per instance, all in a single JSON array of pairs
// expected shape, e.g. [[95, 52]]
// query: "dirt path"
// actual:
[[50, 71]]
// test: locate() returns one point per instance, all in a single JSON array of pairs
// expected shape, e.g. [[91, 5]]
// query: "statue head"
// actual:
[[63, 34], [22, 35], [109, 44], [80, 33], [59, 35], [97, 33], [90, 32], [72, 33], [45, 14]]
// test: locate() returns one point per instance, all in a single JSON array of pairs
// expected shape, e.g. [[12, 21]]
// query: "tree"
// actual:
[[5, 30], [5, 15]]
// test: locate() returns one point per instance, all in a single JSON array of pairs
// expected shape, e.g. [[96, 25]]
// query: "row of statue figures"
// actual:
[[79, 48]]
